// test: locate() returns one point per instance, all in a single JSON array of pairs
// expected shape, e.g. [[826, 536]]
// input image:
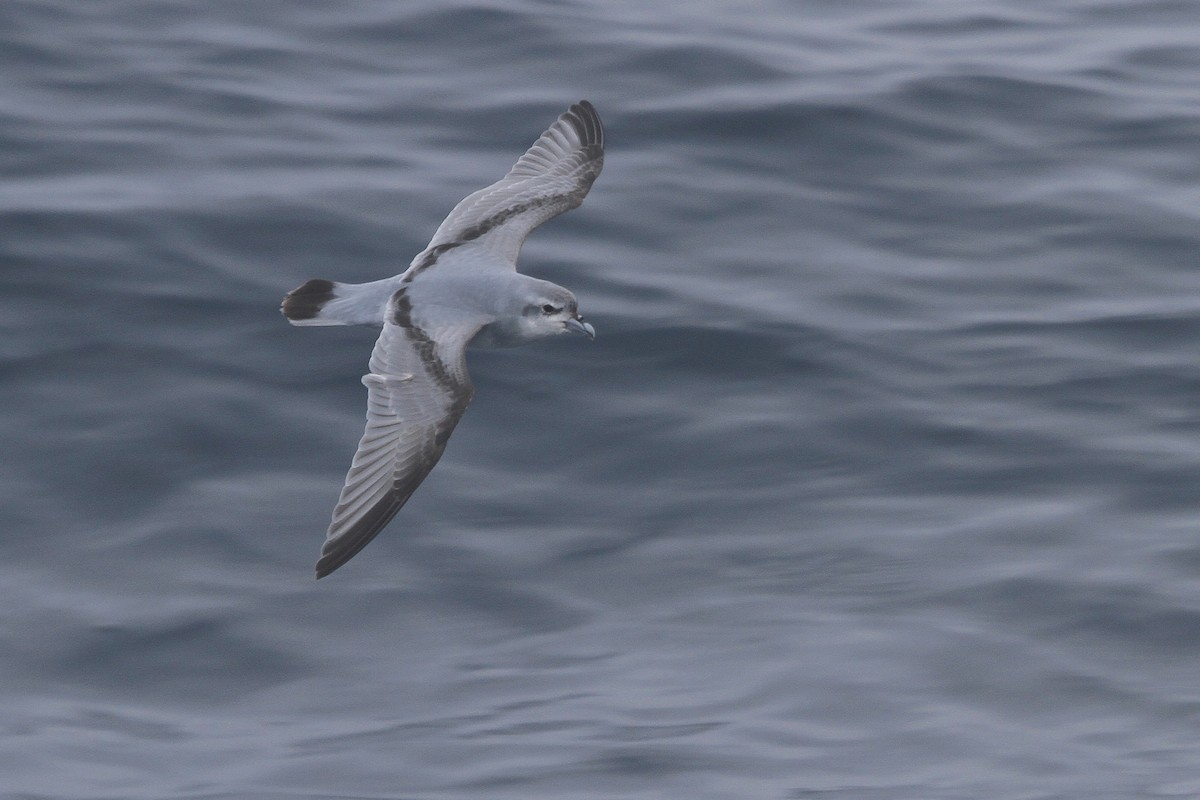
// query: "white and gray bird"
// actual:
[[462, 290]]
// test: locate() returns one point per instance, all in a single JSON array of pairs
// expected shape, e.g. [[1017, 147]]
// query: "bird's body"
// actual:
[[462, 290]]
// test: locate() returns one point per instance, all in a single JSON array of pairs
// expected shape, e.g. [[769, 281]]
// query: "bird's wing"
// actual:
[[553, 176], [417, 390]]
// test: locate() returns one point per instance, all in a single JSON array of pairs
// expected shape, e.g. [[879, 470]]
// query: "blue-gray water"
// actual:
[[879, 481]]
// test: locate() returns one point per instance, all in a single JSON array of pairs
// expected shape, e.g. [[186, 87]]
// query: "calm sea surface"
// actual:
[[878, 483]]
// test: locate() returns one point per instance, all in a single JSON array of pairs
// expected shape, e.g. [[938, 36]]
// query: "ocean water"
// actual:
[[879, 481]]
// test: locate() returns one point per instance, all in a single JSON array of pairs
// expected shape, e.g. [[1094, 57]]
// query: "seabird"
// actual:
[[462, 290]]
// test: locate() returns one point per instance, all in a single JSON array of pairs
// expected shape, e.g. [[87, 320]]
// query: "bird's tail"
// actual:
[[322, 302]]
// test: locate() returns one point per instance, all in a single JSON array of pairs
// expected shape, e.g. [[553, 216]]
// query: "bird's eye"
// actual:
[[549, 309]]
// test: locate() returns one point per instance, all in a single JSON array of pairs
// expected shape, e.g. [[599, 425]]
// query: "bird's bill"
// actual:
[[579, 326]]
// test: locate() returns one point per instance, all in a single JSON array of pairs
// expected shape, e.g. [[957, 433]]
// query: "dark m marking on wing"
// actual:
[[338, 551], [457, 390], [585, 122], [570, 199], [429, 259]]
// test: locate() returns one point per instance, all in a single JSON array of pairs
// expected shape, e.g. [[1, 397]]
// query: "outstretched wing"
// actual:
[[553, 176], [417, 390]]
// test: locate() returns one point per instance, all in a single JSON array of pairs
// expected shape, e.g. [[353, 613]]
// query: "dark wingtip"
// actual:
[[326, 565], [337, 552], [305, 302], [586, 121]]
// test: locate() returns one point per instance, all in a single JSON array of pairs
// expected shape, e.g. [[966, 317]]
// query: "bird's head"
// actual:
[[550, 310]]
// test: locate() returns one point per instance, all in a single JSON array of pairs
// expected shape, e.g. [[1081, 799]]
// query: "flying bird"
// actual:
[[462, 290]]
